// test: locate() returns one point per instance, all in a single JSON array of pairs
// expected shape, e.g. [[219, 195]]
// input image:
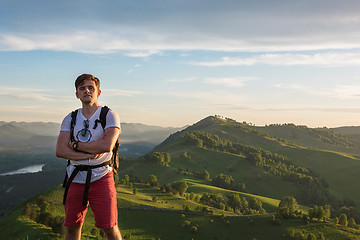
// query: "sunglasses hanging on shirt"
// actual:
[[84, 135]]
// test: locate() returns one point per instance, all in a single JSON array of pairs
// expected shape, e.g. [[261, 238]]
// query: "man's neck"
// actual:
[[89, 109]]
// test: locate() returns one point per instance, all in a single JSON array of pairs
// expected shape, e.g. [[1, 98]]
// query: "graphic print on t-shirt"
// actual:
[[84, 135]]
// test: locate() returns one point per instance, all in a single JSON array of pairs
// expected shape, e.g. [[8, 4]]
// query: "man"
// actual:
[[88, 144]]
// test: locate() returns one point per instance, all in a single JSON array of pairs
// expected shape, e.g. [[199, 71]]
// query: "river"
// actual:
[[29, 169]]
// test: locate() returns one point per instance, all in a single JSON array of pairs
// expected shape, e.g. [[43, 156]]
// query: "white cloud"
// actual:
[[345, 91], [209, 97], [337, 91], [229, 82], [146, 27], [142, 54], [321, 59], [285, 108], [26, 94], [188, 79], [116, 92]]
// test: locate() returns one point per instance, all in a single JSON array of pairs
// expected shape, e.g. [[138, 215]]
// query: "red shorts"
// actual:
[[102, 200]]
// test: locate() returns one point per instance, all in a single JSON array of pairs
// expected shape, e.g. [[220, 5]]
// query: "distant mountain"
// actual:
[[136, 138], [137, 132], [9, 133], [37, 128]]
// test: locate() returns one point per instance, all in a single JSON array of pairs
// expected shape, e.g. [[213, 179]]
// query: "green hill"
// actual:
[[335, 172]]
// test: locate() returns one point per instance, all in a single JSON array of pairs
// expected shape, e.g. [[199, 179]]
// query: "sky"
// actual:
[[172, 63]]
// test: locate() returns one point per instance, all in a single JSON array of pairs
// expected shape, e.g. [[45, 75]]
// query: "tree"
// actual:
[[289, 203], [192, 139], [160, 158], [152, 181], [27, 210], [256, 204], [205, 175], [343, 220], [327, 210], [234, 201], [321, 213], [223, 180], [313, 212], [126, 178], [44, 218], [352, 223], [242, 187], [181, 187], [57, 226]]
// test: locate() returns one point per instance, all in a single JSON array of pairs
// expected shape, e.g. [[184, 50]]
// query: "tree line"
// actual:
[[42, 212], [233, 203], [324, 134], [311, 189], [160, 158]]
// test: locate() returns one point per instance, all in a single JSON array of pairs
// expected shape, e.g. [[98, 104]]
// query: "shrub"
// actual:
[[127, 236]]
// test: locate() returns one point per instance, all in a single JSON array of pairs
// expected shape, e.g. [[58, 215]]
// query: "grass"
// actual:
[[256, 180], [341, 172], [337, 165], [145, 219]]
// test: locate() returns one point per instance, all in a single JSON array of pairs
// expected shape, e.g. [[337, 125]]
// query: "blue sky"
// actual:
[[172, 63]]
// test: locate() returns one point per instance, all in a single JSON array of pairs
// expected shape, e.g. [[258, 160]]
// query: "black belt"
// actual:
[[82, 168]]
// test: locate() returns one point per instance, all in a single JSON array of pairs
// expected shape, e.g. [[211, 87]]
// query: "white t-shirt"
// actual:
[[84, 132]]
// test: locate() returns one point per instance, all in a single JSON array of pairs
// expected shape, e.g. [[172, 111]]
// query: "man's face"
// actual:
[[87, 92]]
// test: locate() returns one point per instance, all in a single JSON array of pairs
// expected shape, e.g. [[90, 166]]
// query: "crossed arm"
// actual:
[[86, 150]]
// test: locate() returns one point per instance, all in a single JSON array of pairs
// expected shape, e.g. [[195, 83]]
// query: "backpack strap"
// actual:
[[88, 169], [102, 118], [72, 125]]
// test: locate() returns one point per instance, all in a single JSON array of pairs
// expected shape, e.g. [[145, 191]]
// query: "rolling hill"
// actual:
[[316, 166], [335, 171]]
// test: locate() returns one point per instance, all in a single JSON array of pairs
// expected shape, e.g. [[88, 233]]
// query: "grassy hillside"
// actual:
[[337, 139], [337, 169], [140, 218], [256, 180]]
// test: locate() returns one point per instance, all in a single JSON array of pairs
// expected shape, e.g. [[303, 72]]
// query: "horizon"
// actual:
[[194, 123], [174, 63]]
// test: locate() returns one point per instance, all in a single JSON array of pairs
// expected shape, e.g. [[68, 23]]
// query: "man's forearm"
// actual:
[[69, 153], [104, 144], [95, 147]]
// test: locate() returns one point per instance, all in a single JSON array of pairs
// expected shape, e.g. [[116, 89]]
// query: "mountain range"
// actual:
[[136, 138]]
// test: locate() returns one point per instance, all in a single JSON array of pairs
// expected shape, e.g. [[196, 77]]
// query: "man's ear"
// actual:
[[99, 92], [77, 94]]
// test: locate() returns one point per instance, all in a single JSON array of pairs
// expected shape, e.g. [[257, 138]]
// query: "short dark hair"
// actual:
[[80, 79]]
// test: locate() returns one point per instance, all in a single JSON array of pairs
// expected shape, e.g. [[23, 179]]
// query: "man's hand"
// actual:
[[66, 150]]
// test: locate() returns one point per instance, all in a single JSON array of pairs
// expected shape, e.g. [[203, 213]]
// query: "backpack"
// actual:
[[113, 162]]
